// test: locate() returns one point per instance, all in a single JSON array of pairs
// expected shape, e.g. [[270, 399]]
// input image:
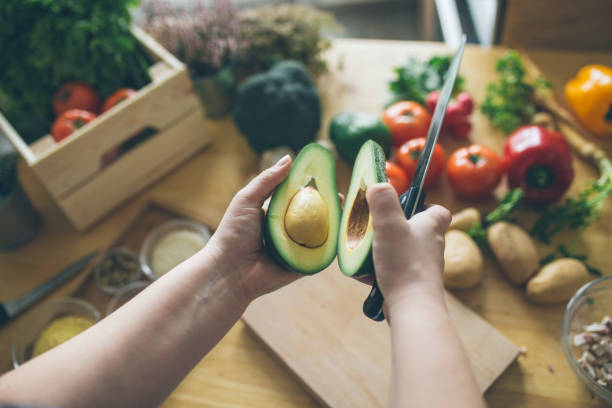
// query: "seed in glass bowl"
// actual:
[[596, 345]]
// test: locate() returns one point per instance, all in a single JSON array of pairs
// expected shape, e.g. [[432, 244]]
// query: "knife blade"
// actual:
[[413, 199], [12, 308]]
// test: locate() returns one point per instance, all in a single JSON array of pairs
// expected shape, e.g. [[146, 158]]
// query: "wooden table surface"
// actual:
[[240, 371]]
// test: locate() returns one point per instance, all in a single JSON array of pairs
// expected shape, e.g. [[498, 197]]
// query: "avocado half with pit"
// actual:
[[303, 217], [356, 234]]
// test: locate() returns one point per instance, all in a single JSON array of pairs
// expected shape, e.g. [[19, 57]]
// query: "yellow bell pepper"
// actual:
[[590, 96]]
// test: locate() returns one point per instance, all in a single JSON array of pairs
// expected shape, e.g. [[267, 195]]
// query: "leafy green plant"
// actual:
[[415, 79], [46, 43], [576, 213], [508, 102], [274, 33]]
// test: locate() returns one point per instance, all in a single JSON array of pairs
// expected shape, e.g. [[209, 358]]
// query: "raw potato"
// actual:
[[463, 264], [557, 281], [465, 219], [514, 250]]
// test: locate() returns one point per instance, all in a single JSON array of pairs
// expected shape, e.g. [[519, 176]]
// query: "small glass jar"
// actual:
[[31, 328], [590, 304], [118, 268], [152, 240]]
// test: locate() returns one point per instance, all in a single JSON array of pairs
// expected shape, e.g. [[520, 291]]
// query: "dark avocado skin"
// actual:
[[271, 249], [379, 165], [367, 267], [350, 130]]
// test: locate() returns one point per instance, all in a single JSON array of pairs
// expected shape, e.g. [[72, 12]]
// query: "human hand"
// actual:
[[236, 248], [408, 254]]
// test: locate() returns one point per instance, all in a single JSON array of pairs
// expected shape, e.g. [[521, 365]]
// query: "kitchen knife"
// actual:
[[12, 308], [412, 200]]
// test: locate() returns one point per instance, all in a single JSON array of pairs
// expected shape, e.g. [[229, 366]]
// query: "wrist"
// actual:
[[225, 272], [416, 297]]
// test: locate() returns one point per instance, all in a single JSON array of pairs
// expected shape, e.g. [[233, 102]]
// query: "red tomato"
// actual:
[[474, 171], [407, 120], [117, 96], [407, 158], [75, 95], [69, 121], [397, 177]]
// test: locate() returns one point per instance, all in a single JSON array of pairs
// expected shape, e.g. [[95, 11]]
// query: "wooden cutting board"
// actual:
[[316, 327]]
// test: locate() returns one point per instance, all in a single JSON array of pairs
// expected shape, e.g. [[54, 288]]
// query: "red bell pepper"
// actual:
[[540, 162]]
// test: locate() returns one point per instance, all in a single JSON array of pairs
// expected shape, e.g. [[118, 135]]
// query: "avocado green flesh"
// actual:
[[314, 166], [356, 234]]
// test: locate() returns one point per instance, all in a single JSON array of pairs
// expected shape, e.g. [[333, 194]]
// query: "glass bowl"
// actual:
[[30, 329], [150, 242], [108, 286], [125, 294], [590, 304]]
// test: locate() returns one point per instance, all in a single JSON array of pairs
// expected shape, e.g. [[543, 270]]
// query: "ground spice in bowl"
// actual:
[[118, 268], [60, 330], [51, 324]]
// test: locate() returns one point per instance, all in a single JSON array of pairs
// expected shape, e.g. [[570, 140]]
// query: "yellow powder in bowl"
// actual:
[[60, 330], [173, 248]]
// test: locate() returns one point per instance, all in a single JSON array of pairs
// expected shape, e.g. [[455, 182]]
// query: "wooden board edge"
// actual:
[[277, 356]]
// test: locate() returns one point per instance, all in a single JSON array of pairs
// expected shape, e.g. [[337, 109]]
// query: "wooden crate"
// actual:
[[77, 172]]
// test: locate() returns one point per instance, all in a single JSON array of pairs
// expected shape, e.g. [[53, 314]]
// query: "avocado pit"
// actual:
[[306, 218], [358, 220]]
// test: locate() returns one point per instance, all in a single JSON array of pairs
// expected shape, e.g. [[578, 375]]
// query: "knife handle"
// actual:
[[4, 317], [372, 306]]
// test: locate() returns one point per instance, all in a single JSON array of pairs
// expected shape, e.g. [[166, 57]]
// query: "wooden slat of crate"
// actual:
[[156, 105], [111, 187]]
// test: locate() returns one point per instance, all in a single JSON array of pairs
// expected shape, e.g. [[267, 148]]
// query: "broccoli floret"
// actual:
[[280, 107]]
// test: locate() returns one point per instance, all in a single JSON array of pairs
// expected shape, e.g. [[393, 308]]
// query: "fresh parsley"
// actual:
[[508, 102], [576, 213], [417, 78]]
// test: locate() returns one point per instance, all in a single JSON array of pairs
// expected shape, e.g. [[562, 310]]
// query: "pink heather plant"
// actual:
[[203, 37]]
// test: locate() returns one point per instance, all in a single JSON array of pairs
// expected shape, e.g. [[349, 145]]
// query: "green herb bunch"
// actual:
[[508, 102], [417, 78], [274, 33], [8, 173], [576, 213], [46, 43]]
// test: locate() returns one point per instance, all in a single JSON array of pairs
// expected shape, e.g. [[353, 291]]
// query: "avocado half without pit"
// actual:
[[356, 235], [304, 213], [304, 228]]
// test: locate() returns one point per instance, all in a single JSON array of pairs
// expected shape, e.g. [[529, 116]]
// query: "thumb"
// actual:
[[255, 193], [384, 205], [439, 217]]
